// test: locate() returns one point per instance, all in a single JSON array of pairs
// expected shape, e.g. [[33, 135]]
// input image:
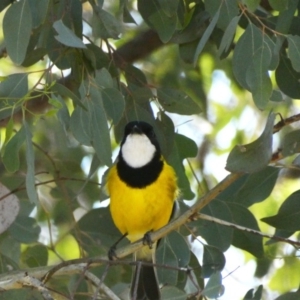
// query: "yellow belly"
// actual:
[[136, 211]]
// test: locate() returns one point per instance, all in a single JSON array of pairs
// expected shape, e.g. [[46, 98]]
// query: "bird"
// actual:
[[143, 188]]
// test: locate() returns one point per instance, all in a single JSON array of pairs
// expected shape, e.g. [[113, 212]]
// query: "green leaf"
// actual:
[[114, 103], [289, 296], [57, 52], [158, 19], [206, 36], [30, 173], [228, 36], [276, 96], [12, 89], [127, 18], [66, 36], [17, 25], [105, 25], [213, 260], [279, 5], [180, 248], [291, 143], [35, 256], [10, 251], [287, 78], [251, 295], [215, 234], [195, 28], [169, 6], [104, 79], [65, 92], [254, 156], [80, 125], [164, 25], [25, 230], [288, 216], [294, 51], [39, 11], [171, 292], [99, 127], [186, 146], [214, 287], [176, 101], [11, 158], [251, 4], [257, 76], [175, 159], [165, 255], [4, 4], [256, 48], [97, 231], [243, 239], [228, 10], [141, 94], [63, 114], [165, 134], [257, 187], [286, 16], [90, 126], [296, 161]]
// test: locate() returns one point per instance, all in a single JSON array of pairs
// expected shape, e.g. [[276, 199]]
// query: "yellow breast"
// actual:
[[136, 211]]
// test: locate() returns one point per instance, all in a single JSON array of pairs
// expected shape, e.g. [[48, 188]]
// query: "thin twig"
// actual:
[[242, 228]]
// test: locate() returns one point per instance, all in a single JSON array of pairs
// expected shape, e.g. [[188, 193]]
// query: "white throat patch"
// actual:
[[137, 150]]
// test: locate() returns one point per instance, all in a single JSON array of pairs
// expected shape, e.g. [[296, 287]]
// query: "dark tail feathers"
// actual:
[[146, 284]]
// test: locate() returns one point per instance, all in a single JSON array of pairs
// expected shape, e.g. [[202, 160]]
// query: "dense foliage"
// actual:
[[218, 81]]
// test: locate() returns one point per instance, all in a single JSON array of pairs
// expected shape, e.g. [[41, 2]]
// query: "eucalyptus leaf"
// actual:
[[177, 102], [244, 239], [287, 78], [228, 36], [30, 175], [206, 36], [251, 4], [165, 255], [105, 25], [11, 158], [257, 187], [228, 10], [288, 216], [114, 103], [255, 156], [254, 295], [213, 260], [157, 18], [104, 79], [280, 5], [291, 143], [214, 288], [294, 51], [35, 256], [171, 292], [175, 159], [66, 36], [12, 90], [25, 230], [17, 26], [216, 234]]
